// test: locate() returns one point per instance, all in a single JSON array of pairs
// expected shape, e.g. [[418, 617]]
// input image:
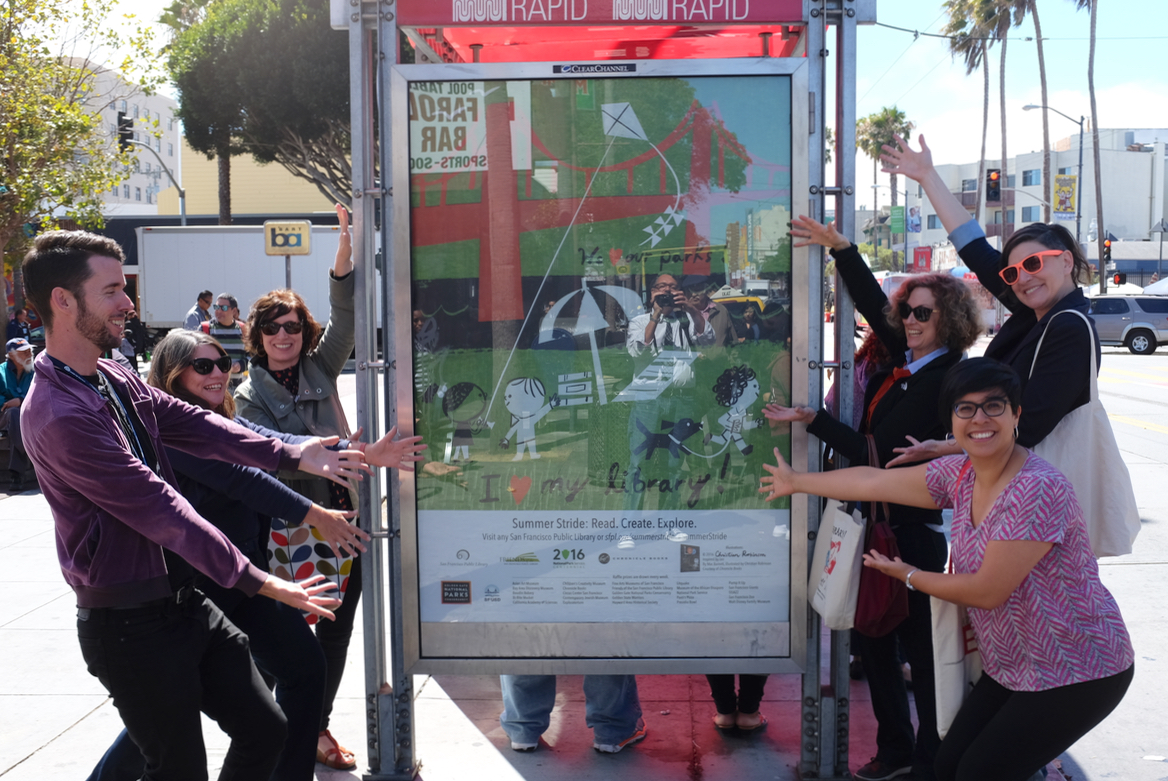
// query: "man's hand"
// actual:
[[336, 465], [304, 595], [336, 530]]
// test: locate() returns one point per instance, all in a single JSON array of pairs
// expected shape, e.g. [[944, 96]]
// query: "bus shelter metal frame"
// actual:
[[373, 31]]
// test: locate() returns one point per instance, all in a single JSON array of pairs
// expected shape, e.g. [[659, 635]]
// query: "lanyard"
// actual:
[[111, 397]]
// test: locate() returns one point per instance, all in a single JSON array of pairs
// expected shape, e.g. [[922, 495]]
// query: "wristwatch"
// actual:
[[908, 580]]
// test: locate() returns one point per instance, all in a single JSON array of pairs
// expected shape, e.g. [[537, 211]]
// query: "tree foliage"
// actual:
[[268, 78], [57, 156]]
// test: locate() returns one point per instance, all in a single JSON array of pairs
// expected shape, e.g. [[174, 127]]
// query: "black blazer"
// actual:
[[909, 408], [1061, 379]]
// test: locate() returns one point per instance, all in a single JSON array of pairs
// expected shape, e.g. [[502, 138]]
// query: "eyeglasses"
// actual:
[[921, 313], [1031, 264], [222, 307], [205, 365], [991, 407], [292, 328]]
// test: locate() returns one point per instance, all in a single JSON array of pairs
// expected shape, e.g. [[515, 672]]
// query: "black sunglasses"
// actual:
[[921, 313], [991, 407], [292, 328], [205, 365]]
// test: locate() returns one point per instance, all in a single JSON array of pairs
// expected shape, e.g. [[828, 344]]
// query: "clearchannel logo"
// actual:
[[581, 68]]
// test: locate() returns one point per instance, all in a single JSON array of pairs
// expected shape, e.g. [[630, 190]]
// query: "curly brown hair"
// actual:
[[277, 304], [959, 321]]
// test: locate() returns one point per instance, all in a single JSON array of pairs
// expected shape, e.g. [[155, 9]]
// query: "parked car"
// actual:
[[1139, 323]]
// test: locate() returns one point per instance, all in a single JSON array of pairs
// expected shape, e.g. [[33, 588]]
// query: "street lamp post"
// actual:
[[182, 194], [1161, 227], [904, 266], [1079, 188]]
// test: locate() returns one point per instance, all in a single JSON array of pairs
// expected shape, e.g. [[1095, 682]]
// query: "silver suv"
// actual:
[[1139, 323]]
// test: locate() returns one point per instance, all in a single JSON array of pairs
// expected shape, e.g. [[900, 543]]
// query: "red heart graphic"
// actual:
[[519, 488], [615, 255]]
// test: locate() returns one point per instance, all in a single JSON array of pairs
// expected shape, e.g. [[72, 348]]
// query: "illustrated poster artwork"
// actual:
[[601, 308]]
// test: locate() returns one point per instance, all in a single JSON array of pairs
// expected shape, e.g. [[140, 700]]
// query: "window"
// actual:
[[157, 144], [1067, 170], [997, 217], [149, 196], [1030, 214], [1010, 180], [113, 128], [134, 111], [126, 191], [122, 106], [170, 123], [1009, 215], [113, 105], [1032, 177], [1108, 306], [147, 168], [137, 193], [968, 185], [933, 222], [146, 114], [1157, 306], [170, 150]]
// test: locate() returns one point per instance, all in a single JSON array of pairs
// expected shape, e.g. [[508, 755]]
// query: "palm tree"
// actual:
[[968, 39], [1021, 8], [875, 131], [1094, 9]]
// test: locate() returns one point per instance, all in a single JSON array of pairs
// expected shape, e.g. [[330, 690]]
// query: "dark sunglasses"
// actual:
[[222, 307], [991, 407], [1031, 264], [205, 365], [292, 328], [921, 313]]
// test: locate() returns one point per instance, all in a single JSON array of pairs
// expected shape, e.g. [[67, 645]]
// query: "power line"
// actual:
[[917, 33], [899, 58]]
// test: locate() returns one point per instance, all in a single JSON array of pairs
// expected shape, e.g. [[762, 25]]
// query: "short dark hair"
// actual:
[[277, 304], [230, 299], [61, 259], [206, 294], [974, 376], [1051, 236]]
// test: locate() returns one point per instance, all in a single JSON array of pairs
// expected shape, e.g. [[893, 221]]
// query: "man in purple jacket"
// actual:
[[126, 538]]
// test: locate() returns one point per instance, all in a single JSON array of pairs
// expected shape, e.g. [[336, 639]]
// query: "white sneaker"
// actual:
[[517, 746]]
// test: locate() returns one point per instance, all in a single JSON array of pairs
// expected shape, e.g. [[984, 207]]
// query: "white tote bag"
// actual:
[[956, 660], [833, 582], [1082, 447]]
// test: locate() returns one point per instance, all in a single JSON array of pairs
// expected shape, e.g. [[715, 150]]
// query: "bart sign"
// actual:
[[290, 237]]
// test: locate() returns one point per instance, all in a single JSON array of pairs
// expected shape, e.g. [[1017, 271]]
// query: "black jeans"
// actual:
[[334, 639], [895, 744], [750, 690], [163, 664], [1007, 735]]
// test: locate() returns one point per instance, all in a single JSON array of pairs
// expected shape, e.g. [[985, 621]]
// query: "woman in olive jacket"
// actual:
[[292, 388]]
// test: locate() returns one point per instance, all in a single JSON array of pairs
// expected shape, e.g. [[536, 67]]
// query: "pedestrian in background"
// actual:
[[198, 314], [230, 332], [18, 327]]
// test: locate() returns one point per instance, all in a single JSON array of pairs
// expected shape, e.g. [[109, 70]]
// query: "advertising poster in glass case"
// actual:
[[601, 306]]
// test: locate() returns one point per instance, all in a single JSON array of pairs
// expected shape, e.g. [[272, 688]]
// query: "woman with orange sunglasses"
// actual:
[[1036, 275]]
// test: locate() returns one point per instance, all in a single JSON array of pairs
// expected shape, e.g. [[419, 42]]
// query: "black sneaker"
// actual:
[[877, 770]]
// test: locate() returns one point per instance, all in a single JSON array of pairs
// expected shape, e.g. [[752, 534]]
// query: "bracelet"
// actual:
[[908, 580], [654, 319]]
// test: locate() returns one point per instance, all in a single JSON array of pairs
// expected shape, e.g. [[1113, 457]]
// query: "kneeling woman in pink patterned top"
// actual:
[[1056, 653]]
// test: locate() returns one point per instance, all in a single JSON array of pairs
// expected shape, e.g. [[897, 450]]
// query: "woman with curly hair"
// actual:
[[926, 326], [292, 387]]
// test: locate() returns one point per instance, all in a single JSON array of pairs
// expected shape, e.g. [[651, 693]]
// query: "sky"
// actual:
[[919, 76]]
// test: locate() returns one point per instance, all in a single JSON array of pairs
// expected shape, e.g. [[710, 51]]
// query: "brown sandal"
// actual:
[[725, 721], [762, 721], [336, 756]]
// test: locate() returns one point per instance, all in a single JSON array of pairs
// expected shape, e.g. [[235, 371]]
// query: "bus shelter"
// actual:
[[589, 502]]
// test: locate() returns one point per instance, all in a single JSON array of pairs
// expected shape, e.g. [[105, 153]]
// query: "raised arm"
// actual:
[[918, 166]]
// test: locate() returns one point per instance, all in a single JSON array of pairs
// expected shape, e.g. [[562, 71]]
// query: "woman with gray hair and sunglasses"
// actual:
[[926, 326], [1035, 276]]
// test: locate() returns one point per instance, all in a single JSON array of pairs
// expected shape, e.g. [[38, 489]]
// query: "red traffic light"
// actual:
[[995, 176], [1107, 243], [1115, 279]]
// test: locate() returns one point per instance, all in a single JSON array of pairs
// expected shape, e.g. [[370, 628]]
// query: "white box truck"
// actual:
[[175, 264]]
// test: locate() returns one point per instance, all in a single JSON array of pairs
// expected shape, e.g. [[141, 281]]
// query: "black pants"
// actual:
[[162, 665], [334, 639], [895, 743], [750, 689], [1008, 736]]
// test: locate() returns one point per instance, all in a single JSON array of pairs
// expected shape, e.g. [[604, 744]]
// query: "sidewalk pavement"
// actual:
[[56, 721]]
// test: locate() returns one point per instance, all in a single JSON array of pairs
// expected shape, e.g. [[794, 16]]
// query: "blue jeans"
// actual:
[[611, 706]]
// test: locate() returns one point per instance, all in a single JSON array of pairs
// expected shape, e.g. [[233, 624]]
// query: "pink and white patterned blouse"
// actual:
[[1061, 625]]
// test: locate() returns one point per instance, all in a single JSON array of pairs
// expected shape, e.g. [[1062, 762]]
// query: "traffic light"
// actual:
[[993, 185], [1106, 252], [1120, 278], [125, 131]]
